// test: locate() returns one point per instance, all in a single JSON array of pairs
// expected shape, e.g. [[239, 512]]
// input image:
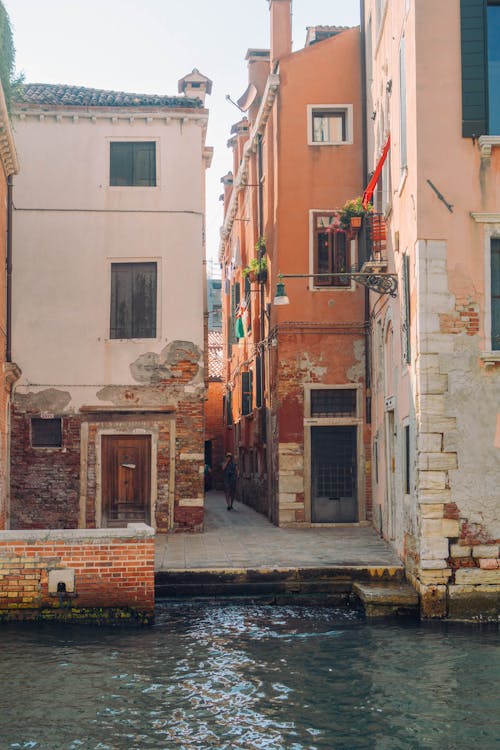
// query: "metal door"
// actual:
[[126, 479], [333, 475]]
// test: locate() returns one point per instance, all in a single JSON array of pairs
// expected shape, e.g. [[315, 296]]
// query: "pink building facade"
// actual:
[[435, 349]]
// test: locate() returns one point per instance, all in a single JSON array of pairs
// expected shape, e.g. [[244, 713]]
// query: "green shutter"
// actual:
[[474, 76], [495, 295]]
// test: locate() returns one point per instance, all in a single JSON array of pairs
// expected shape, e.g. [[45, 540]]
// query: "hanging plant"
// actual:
[[256, 269], [352, 212]]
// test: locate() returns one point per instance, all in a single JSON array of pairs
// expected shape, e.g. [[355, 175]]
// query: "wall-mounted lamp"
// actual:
[[280, 298], [382, 283]]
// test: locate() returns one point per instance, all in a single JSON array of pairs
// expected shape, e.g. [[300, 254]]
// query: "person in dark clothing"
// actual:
[[230, 474]]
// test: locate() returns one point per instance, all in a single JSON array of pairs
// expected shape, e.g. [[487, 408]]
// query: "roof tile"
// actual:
[[79, 96]]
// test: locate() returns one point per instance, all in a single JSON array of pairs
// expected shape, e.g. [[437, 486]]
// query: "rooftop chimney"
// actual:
[[281, 29]]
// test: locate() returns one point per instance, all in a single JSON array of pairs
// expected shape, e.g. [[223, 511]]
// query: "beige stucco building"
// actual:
[[108, 307], [432, 81]]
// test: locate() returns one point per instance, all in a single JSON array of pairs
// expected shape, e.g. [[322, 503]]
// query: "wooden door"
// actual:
[[126, 479]]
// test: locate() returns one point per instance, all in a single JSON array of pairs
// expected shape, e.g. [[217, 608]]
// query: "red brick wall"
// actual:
[[45, 482], [214, 429], [114, 575]]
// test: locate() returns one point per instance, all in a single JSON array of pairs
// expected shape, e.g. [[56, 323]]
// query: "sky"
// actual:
[[145, 46]]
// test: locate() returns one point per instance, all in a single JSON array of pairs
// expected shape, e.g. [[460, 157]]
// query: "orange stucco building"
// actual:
[[296, 390]]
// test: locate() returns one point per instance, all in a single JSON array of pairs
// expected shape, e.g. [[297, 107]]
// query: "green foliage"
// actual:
[[353, 207], [7, 57], [256, 265]]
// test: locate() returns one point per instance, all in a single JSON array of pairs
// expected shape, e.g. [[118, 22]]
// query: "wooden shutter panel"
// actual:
[[144, 164], [495, 295], [474, 71], [246, 392], [258, 381], [406, 310], [120, 165]]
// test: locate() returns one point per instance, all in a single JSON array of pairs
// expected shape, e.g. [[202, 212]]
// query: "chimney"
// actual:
[[281, 29]]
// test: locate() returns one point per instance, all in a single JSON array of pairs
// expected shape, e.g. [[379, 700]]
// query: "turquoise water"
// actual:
[[250, 677]]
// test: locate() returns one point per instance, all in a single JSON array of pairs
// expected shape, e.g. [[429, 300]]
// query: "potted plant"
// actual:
[[256, 270], [352, 212]]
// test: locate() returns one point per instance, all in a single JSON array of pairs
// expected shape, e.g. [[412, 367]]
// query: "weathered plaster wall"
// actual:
[[69, 226]]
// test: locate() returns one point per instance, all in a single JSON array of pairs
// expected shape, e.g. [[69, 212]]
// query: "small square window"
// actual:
[[132, 164], [46, 433], [330, 125]]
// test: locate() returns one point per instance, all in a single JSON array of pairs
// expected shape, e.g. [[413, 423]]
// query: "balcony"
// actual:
[[372, 245]]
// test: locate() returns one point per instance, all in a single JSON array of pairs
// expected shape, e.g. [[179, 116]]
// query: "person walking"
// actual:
[[230, 475]]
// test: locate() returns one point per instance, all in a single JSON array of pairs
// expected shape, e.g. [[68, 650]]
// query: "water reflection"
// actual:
[[248, 677]]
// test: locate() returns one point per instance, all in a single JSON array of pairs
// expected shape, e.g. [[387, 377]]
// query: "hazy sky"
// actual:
[[145, 46]]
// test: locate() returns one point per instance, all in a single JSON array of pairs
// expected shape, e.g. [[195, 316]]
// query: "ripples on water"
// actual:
[[250, 677]]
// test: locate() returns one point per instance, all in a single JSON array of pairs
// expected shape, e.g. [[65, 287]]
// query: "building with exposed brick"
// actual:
[[108, 308], [295, 401], [436, 346], [214, 420], [9, 167]]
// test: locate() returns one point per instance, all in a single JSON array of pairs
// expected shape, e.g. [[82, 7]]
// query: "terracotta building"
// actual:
[[434, 139], [296, 395], [108, 307], [9, 167]]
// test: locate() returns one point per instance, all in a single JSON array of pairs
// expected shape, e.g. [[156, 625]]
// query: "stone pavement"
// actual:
[[242, 538]]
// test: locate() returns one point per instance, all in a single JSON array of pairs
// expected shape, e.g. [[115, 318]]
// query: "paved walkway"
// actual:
[[242, 538]]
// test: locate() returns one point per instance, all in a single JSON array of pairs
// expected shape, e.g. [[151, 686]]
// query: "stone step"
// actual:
[[385, 599], [267, 581]]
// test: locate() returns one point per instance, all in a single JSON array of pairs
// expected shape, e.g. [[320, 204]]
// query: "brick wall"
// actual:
[[113, 575], [45, 482], [214, 429]]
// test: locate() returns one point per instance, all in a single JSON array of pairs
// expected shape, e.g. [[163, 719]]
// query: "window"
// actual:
[[406, 321], [246, 392], [133, 301], [330, 252], [333, 402], [495, 294], [402, 106], [46, 433], [480, 39], [132, 164], [493, 21], [258, 382], [330, 125], [407, 468]]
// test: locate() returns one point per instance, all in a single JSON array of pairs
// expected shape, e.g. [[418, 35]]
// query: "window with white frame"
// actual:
[[132, 164], [329, 125], [330, 251], [133, 300]]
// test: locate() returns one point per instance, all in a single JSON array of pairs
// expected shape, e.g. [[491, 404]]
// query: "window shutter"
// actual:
[[246, 392], [145, 164], [495, 295], [406, 310], [133, 300], [120, 167], [474, 59], [258, 381]]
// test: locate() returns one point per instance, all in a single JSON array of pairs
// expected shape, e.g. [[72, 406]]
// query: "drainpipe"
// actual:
[[368, 401], [8, 268]]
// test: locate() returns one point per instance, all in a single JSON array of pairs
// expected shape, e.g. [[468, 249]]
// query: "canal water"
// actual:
[[250, 677]]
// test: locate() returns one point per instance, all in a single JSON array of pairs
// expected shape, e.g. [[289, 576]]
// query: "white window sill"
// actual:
[[490, 358], [487, 142]]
